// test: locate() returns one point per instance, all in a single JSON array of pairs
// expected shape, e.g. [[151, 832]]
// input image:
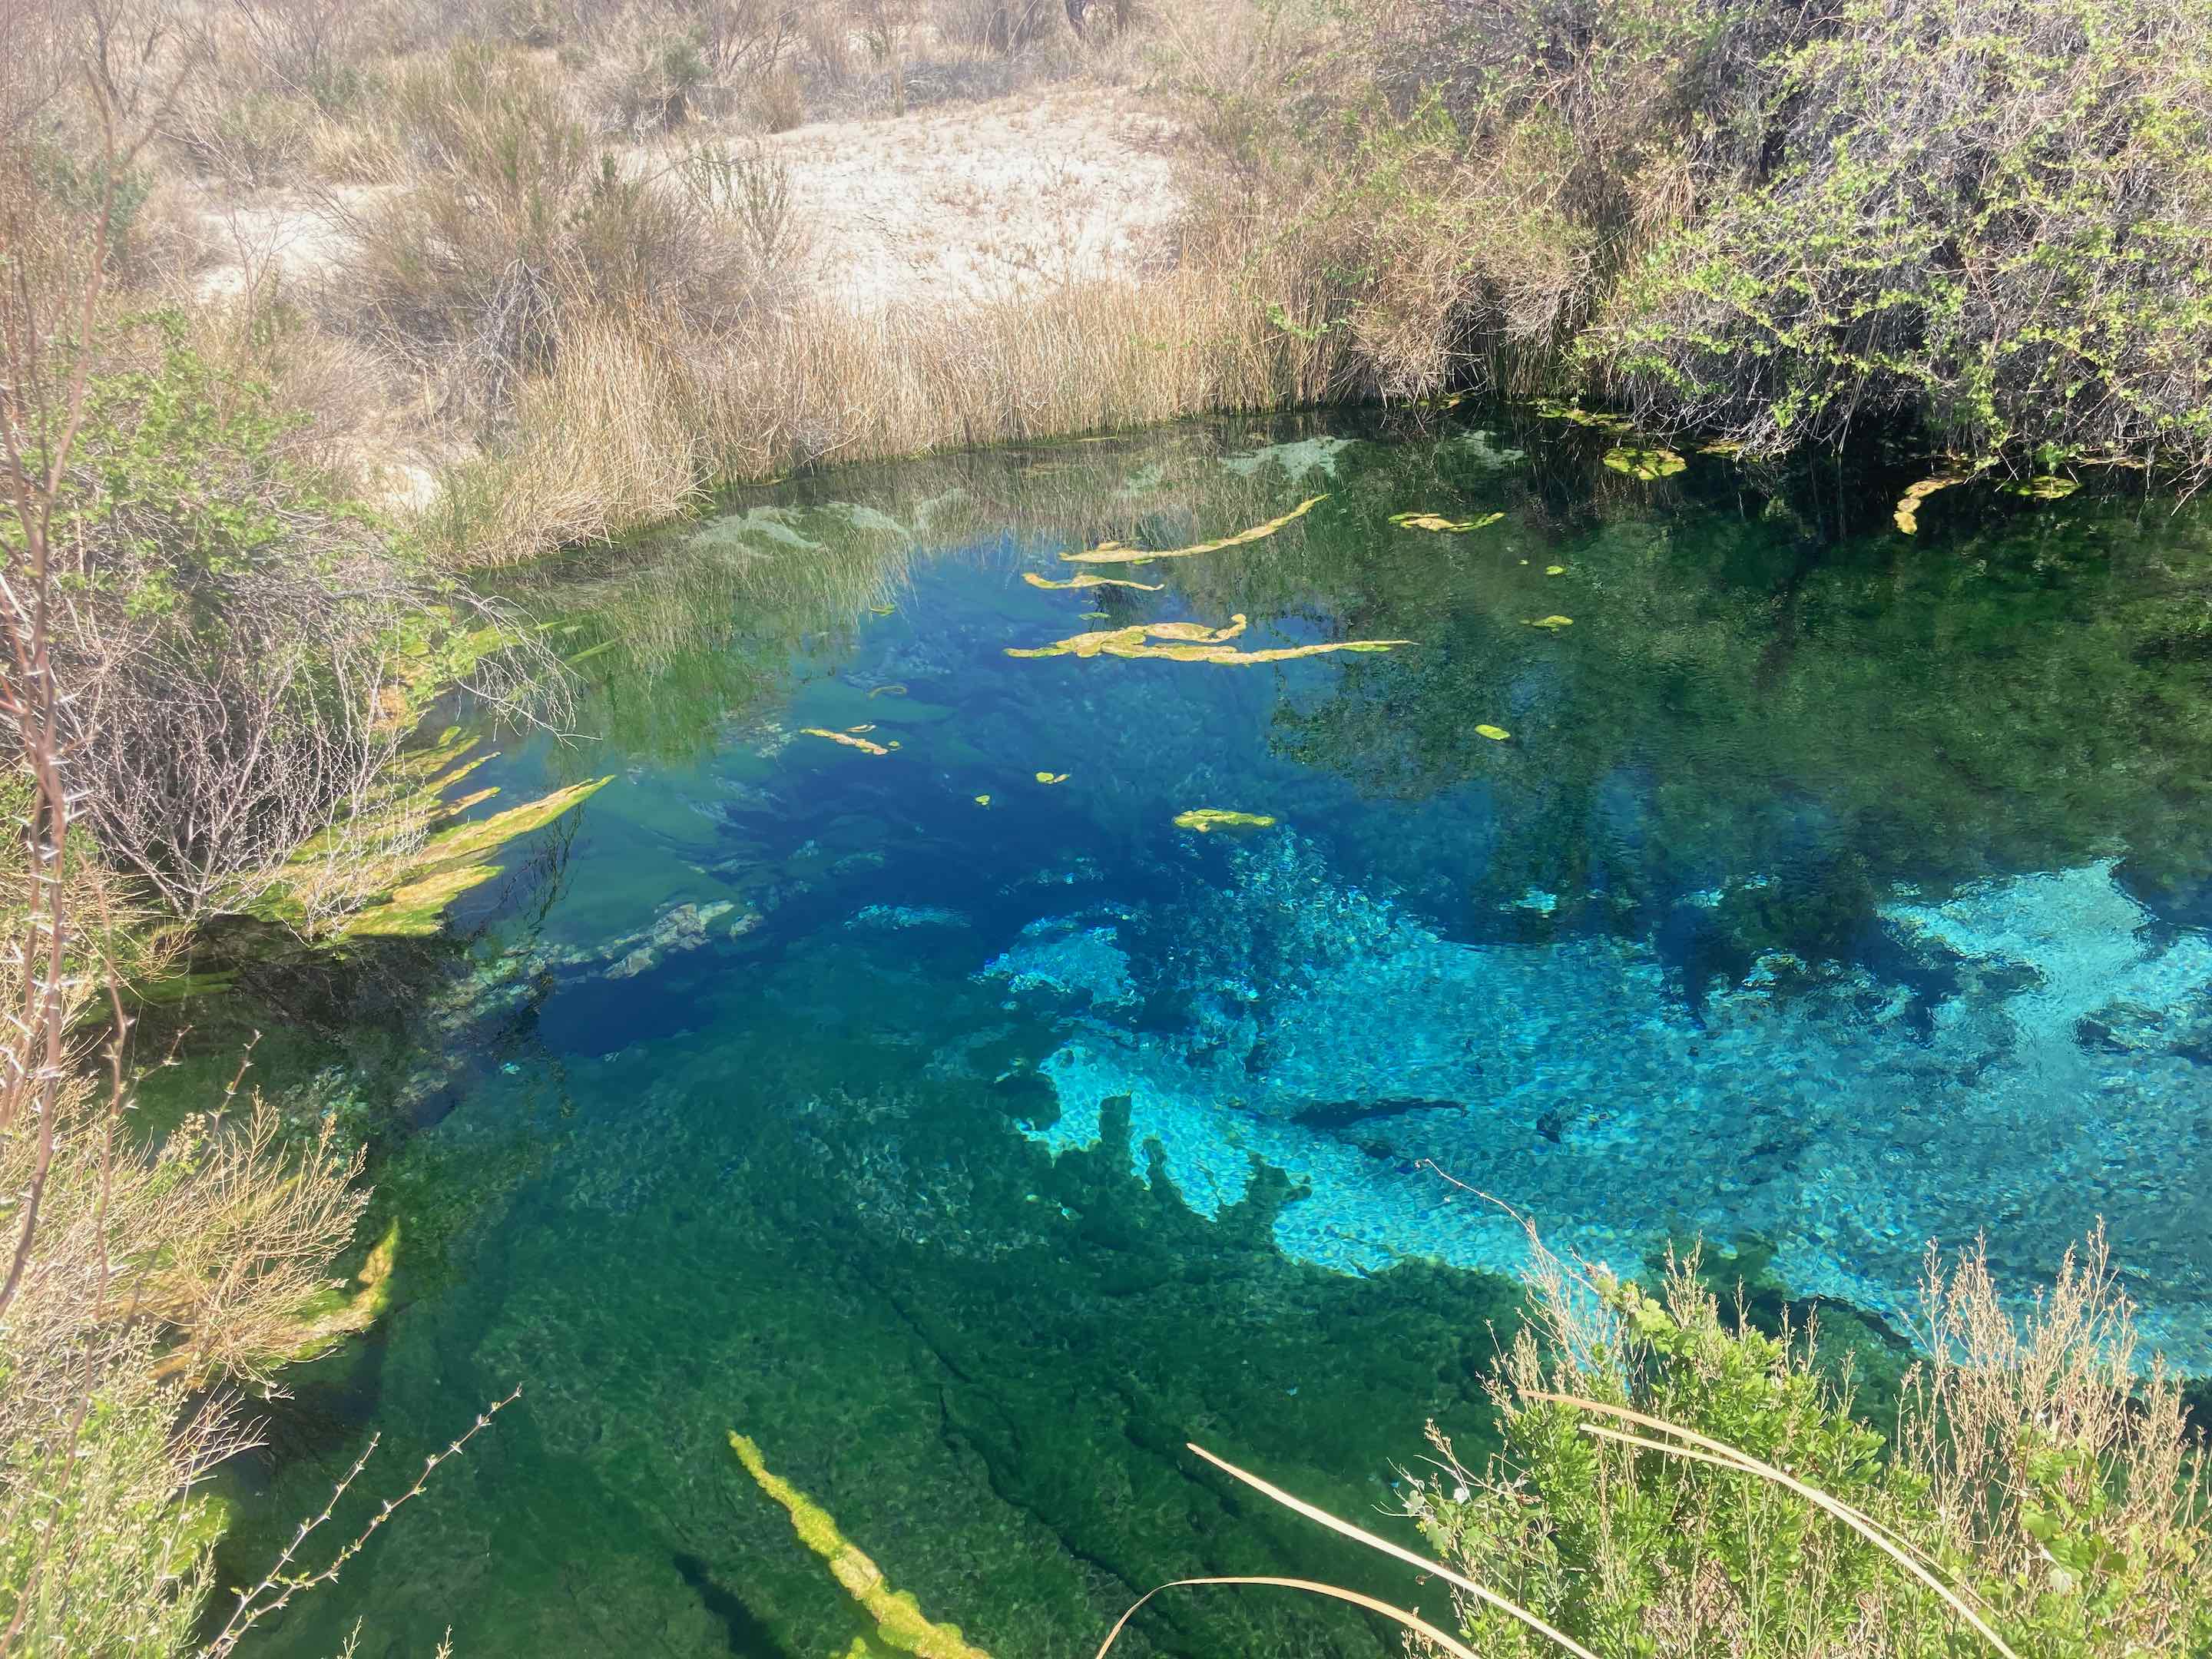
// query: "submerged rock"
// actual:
[[1332, 1034], [686, 928]]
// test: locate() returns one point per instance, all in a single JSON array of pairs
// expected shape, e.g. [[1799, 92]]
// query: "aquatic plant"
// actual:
[[1907, 513], [1644, 464], [1115, 553], [1086, 580], [1597, 420], [1189, 643], [1551, 624], [846, 739], [420, 886], [2043, 488], [1207, 819], [1438, 522], [899, 1621]]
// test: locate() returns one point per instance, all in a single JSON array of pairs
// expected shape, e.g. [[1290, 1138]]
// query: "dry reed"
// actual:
[[634, 421]]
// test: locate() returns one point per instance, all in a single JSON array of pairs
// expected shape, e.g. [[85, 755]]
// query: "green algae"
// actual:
[[1438, 522], [452, 863], [2043, 488], [898, 1616], [1596, 420], [337, 1314], [1115, 553], [1647, 464], [1207, 819], [1189, 642]]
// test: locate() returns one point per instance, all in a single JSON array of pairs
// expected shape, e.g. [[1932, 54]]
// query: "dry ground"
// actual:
[[948, 204], [960, 204]]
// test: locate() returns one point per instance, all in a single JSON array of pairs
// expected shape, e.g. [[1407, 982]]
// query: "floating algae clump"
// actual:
[[1115, 553], [1438, 522], [1207, 819], [1086, 580], [898, 1617], [1186, 642], [1907, 515], [1052, 777], [1495, 733], [1645, 463], [845, 738], [1594, 418], [1554, 623]]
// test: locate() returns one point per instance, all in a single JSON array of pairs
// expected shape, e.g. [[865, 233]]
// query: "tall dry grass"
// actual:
[[634, 420]]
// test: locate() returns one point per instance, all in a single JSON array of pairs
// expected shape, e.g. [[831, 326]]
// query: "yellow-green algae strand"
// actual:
[[1186, 642], [1207, 819], [898, 1616], [453, 862], [1115, 553]]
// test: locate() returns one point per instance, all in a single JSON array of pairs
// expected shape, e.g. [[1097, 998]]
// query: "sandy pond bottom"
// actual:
[[971, 1141]]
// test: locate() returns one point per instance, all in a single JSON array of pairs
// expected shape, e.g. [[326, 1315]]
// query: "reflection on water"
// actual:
[[935, 1109]]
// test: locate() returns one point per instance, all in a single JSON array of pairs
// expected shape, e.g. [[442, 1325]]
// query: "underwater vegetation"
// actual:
[[900, 1626], [452, 861], [1809, 893]]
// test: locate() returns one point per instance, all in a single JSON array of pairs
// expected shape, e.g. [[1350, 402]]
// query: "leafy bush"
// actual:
[[233, 631], [2058, 1493], [1986, 219], [1993, 214]]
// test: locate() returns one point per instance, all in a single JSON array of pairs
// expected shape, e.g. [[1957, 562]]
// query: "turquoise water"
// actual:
[[971, 1141]]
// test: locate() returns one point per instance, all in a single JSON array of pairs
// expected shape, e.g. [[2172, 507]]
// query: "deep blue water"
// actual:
[[970, 1141]]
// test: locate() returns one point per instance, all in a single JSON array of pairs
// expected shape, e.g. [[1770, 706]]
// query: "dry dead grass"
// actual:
[[633, 423]]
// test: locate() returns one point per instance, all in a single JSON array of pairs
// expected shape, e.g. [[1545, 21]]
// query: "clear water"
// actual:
[[1834, 892]]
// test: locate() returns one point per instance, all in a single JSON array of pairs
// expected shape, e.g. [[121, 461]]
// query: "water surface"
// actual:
[[972, 1140]]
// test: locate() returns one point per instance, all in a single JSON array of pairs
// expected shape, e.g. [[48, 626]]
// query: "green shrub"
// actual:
[[1993, 215], [1986, 223], [2057, 1492], [233, 628]]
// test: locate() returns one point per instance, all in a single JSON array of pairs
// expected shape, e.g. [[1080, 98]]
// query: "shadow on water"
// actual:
[[749, 1639]]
